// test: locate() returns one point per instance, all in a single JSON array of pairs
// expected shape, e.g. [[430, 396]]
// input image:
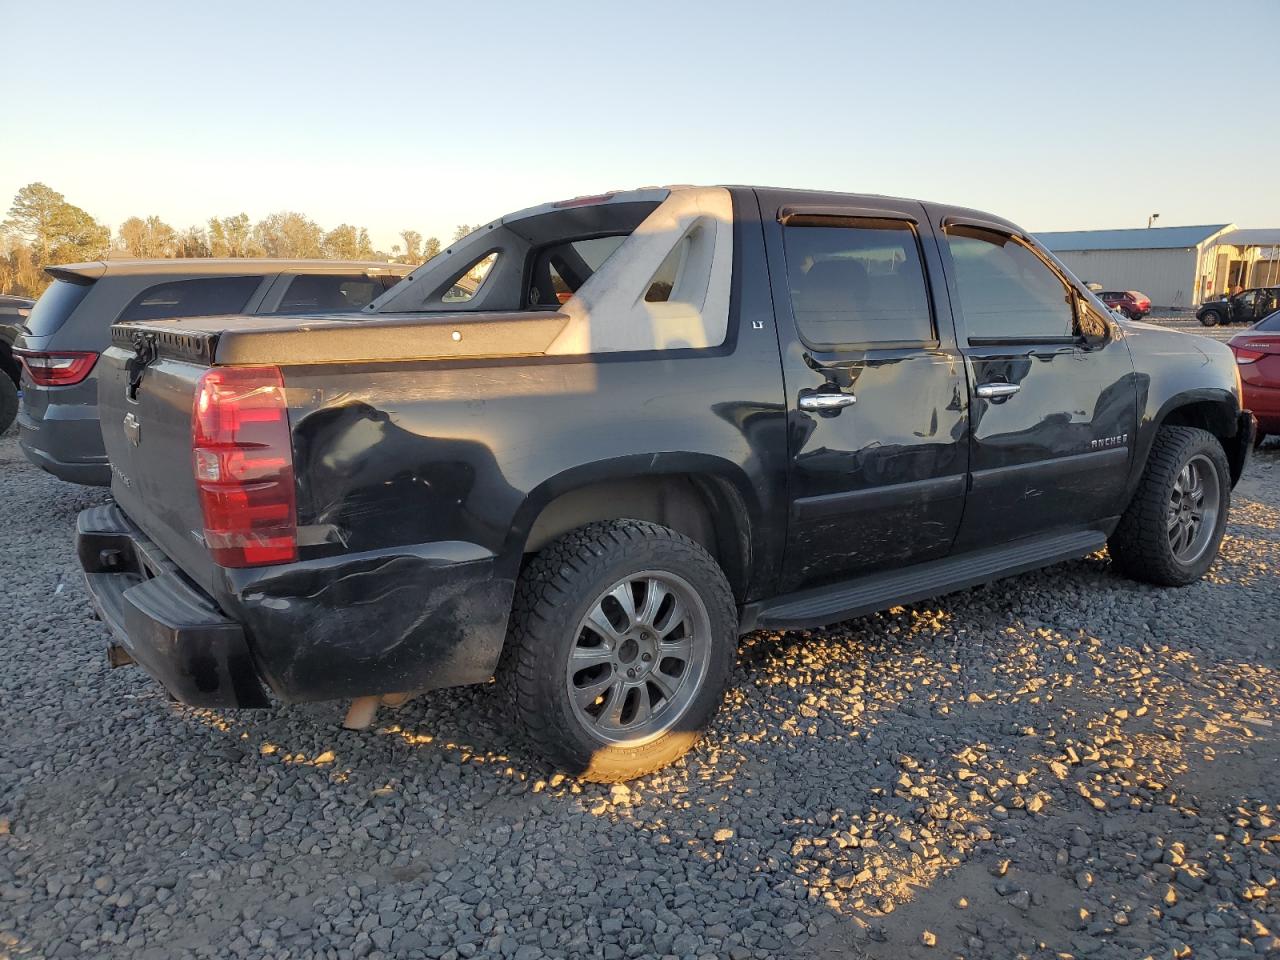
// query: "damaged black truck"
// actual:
[[595, 441]]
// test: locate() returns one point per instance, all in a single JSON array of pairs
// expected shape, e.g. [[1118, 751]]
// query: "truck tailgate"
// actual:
[[147, 433]]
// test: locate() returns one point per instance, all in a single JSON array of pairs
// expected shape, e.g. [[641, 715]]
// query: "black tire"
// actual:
[[556, 592], [1140, 546], [1210, 318], [8, 402]]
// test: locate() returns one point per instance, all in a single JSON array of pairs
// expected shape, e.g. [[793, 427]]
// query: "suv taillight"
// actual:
[[57, 369], [243, 460]]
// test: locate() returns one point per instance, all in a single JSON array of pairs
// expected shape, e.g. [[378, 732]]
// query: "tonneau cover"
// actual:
[[346, 338]]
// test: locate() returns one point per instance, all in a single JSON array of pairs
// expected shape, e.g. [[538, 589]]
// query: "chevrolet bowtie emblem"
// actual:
[[132, 429]]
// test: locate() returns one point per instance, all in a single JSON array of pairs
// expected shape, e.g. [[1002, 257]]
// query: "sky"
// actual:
[[421, 115]]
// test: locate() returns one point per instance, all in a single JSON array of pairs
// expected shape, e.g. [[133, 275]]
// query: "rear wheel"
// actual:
[[1170, 532], [1210, 318], [622, 641], [8, 402]]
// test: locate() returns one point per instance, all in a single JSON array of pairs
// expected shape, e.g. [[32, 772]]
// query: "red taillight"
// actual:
[[242, 456], [57, 369], [1247, 356], [1254, 348]]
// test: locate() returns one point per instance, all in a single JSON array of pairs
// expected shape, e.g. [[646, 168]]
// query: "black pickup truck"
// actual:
[[595, 441]]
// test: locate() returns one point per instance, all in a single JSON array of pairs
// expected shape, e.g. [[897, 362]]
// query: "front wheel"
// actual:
[[1170, 532], [622, 638], [1210, 318]]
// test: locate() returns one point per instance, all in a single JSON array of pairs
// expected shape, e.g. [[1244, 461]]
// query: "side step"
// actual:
[[877, 591]]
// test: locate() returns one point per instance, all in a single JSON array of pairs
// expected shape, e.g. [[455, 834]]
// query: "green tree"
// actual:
[[230, 236], [461, 230], [430, 248], [148, 239], [58, 231], [192, 242], [289, 234], [345, 242], [412, 245]]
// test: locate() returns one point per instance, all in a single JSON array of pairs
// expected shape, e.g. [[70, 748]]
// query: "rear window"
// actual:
[[202, 297], [559, 270], [1271, 323], [326, 293], [54, 306]]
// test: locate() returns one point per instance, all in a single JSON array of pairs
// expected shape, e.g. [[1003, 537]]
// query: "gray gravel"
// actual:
[[1065, 764]]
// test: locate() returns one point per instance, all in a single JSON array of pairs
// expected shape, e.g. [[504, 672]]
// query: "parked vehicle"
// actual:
[[757, 408], [1257, 353], [1131, 303], [1244, 307], [13, 314], [70, 326]]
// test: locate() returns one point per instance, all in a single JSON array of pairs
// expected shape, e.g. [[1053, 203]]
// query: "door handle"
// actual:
[[994, 391], [827, 401]]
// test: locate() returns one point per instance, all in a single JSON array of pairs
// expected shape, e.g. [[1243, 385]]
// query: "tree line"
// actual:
[[43, 229]]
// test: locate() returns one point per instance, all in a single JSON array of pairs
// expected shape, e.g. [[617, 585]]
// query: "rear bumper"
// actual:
[[66, 442], [159, 620], [1265, 404], [402, 621]]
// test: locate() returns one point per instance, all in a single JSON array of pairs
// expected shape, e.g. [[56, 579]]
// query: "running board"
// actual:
[[877, 591]]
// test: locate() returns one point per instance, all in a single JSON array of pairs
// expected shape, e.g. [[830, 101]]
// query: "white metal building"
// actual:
[[1177, 267], [1162, 262]]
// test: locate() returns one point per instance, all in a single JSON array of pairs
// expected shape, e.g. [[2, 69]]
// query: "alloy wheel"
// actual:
[[1193, 509], [639, 657]]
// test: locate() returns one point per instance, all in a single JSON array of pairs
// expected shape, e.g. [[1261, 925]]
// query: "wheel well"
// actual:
[[707, 510], [1219, 420], [1205, 414]]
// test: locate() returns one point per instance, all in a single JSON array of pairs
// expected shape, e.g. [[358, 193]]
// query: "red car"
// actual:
[[1131, 303], [1257, 353]]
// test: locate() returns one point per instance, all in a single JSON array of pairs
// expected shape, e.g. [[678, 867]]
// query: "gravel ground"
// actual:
[[1065, 764]]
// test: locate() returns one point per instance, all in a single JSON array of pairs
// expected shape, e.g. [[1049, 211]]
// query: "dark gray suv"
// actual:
[[71, 324]]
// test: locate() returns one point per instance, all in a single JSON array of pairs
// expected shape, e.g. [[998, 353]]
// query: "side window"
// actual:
[[203, 297], [1006, 291], [857, 281], [326, 293], [664, 280], [468, 285]]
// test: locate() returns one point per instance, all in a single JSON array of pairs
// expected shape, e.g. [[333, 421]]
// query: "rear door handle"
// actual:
[[992, 391], [827, 401]]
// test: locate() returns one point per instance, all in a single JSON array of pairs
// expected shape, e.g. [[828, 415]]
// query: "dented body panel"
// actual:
[[434, 450]]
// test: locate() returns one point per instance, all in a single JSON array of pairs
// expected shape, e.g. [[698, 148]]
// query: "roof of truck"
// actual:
[[219, 265]]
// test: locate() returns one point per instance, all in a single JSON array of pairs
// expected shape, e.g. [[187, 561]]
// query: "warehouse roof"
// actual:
[[1264, 237], [1149, 238]]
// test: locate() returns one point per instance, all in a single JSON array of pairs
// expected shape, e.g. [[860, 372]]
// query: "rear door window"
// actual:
[[327, 293], [201, 297], [1006, 291], [858, 281], [57, 303]]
